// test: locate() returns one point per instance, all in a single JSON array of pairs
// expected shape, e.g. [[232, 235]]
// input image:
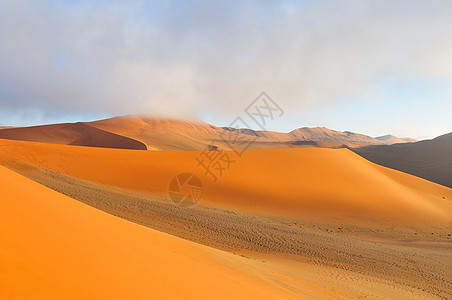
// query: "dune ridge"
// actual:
[[307, 223], [309, 183]]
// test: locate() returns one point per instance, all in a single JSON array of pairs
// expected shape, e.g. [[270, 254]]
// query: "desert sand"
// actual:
[[328, 185], [309, 223], [55, 247]]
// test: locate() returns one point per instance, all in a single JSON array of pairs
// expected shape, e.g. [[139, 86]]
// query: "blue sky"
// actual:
[[374, 67], [414, 108]]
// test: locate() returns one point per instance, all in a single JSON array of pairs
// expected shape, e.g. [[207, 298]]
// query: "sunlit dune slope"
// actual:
[[71, 134], [53, 247], [320, 184]]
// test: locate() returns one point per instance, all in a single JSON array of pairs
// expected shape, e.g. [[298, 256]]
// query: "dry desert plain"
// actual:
[[300, 223]]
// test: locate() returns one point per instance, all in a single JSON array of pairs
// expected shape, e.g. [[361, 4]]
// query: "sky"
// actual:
[[373, 67]]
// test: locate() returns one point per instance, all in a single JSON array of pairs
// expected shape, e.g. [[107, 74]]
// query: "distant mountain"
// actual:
[[321, 135], [429, 159], [389, 139]]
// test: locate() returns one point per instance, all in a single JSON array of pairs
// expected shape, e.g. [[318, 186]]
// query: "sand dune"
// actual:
[[71, 134], [180, 135], [55, 247], [133, 132], [430, 159], [359, 230], [164, 134], [336, 186]]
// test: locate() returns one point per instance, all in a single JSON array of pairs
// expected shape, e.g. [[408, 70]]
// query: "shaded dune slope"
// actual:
[[334, 186], [430, 159], [79, 134]]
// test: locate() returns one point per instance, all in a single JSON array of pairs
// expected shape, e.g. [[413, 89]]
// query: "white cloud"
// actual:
[[177, 57]]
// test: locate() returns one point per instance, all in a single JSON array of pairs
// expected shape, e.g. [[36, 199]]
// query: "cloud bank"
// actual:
[[177, 58]]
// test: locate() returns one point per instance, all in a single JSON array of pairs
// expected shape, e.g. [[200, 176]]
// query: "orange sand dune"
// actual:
[[79, 134], [328, 185], [53, 247], [167, 134], [135, 132]]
